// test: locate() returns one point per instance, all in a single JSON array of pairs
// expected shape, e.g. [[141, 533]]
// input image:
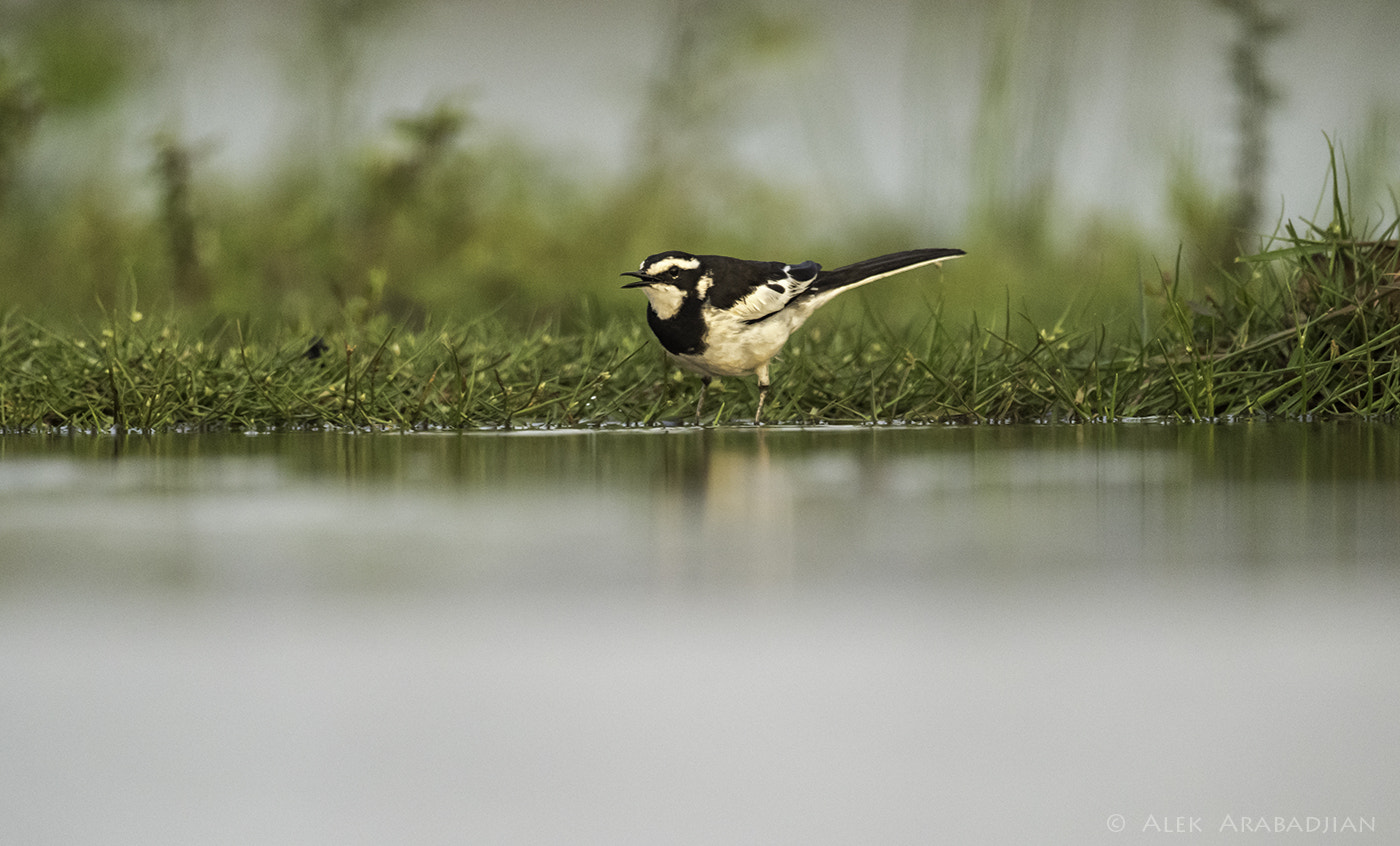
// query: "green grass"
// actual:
[[459, 278], [456, 290], [1308, 329]]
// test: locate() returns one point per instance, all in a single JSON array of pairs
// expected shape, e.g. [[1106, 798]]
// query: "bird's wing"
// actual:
[[773, 293]]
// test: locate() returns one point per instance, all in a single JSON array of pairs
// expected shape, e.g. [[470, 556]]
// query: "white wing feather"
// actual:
[[773, 295]]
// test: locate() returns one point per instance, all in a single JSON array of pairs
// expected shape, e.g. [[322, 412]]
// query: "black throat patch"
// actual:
[[683, 333]]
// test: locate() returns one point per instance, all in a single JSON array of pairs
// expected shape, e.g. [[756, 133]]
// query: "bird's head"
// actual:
[[668, 278]]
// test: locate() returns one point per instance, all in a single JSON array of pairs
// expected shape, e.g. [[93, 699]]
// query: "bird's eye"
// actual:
[[675, 273]]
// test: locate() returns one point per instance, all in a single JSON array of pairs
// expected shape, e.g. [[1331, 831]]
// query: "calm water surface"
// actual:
[[1052, 634]]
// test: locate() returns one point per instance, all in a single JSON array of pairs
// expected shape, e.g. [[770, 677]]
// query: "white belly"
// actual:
[[736, 348]]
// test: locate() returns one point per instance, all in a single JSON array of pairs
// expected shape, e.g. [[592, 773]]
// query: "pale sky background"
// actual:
[[880, 110]]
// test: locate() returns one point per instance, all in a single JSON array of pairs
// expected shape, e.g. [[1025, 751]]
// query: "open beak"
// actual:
[[643, 280]]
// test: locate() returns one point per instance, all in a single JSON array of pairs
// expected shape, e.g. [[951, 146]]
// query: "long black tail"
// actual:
[[877, 268]]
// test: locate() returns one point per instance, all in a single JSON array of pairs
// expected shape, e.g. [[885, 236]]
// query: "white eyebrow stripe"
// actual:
[[668, 263]]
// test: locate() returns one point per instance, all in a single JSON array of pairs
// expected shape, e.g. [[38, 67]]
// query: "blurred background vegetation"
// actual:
[[433, 216]]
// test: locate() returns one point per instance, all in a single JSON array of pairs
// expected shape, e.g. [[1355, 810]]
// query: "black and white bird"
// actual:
[[719, 316]]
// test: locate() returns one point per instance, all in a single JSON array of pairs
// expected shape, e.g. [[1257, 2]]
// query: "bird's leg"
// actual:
[[704, 389], [762, 392]]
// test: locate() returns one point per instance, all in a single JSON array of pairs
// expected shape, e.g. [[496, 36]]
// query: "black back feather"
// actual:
[[880, 265]]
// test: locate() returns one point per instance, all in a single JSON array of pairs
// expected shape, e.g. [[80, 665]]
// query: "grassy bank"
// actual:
[[439, 272], [1308, 328]]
